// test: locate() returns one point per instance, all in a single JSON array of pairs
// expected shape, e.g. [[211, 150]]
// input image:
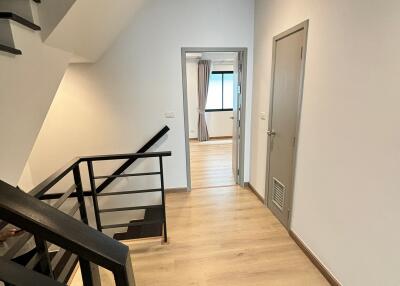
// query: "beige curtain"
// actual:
[[203, 82]]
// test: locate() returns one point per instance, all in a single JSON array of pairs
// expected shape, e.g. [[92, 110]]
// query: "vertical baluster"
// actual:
[[80, 195], [90, 272], [94, 195], [45, 263], [163, 198], [124, 275]]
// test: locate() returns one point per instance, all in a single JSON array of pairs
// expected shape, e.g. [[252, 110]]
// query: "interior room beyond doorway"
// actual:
[[213, 75]]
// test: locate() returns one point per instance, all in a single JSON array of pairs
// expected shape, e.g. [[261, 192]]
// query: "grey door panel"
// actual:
[[285, 98]]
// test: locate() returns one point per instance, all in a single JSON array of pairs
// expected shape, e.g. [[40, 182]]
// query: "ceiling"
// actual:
[[91, 26]]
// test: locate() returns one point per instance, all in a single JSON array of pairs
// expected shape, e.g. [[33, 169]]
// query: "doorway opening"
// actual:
[[214, 84]]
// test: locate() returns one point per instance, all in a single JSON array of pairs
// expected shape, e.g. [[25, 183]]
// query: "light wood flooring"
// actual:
[[219, 236], [211, 163]]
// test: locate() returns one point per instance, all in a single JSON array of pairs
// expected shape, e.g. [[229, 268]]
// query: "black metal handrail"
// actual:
[[48, 224], [129, 162], [97, 211], [48, 265], [57, 176], [15, 274], [27, 212], [54, 178], [40, 190]]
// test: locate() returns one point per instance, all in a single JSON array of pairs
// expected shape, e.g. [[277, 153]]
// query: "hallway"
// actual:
[[218, 235], [221, 236], [211, 163]]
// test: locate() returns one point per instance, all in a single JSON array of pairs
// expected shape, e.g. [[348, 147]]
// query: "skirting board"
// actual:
[[213, 138], [220, 137], [325, 272], [251, 188], [176, 190]]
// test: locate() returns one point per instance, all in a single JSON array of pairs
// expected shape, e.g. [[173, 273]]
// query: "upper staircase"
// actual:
[[31, 74], [38, 40], [15, 11]]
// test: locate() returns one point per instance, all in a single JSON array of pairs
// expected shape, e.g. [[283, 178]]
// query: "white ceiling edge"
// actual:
[[90, 27], [75, 59]]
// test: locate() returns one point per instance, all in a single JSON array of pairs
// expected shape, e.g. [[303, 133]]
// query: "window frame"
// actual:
[[222, 96]]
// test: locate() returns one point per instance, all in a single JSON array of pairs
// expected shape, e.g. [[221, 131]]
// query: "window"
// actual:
[[220, 91]]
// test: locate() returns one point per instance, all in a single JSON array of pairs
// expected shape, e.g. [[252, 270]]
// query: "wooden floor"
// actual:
[[219, 236], [222, 236], [211, 163]]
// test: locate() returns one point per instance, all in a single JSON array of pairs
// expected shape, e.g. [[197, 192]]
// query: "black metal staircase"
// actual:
[[44, 217], [161, 219], [14, 17], [16, 274], [48, 225]]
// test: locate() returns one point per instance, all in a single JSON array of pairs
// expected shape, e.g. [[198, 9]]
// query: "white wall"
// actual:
[[219, 124], [347, 182], [28, 84], [118, 103]]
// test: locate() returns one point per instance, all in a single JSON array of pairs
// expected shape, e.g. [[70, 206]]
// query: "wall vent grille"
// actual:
[[278, 196]]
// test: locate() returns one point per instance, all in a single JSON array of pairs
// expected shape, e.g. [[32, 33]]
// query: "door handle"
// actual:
[[231, 117], [271, 133]]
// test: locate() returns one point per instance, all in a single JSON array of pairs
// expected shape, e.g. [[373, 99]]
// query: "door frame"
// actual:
[[186, 50], [302, 26]]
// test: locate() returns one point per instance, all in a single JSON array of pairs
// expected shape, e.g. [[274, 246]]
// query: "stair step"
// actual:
[[143, 231], [132, 223], [129, 208], [19, 19], [10, 50]]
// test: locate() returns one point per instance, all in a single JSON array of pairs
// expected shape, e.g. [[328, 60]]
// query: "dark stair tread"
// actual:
[[10, 50], [19, 19], [143, 231]]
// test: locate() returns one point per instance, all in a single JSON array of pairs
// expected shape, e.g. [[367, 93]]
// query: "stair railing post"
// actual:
[[163, 198], [45, 263], [80, 195], [94, 195], [89, 271], [124, 276]]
